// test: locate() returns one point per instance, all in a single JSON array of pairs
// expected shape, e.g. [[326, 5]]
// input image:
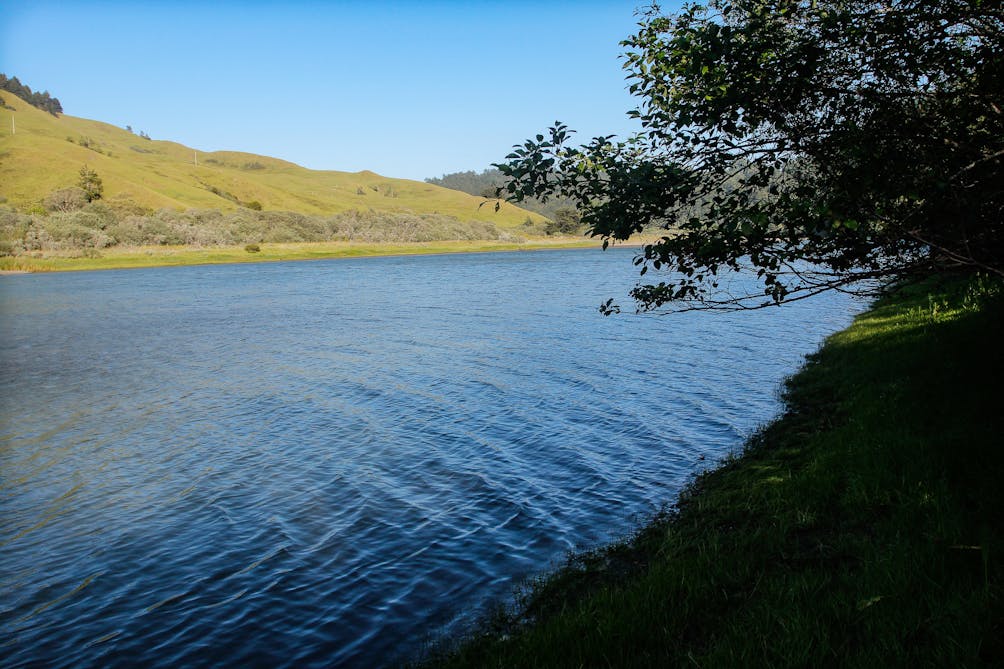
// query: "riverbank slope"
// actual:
[[862, 528]]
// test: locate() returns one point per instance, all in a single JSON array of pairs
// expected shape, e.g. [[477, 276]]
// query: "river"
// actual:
[[328, 463]]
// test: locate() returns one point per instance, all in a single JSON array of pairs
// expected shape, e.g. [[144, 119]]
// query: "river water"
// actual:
[[329, 463]]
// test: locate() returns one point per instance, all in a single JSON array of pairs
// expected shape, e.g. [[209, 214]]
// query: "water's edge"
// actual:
[[155, 257]]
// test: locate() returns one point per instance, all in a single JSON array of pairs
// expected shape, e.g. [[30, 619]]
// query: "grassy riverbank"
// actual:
[[861, 529], [160, 256]]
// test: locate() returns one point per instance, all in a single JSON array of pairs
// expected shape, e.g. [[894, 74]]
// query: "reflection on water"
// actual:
[[325, 463]]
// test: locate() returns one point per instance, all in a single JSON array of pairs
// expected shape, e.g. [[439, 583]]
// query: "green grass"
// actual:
[[162, 256], [861, 529], [45, 154]]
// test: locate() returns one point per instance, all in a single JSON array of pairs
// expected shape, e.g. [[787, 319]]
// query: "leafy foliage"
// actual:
[[42, 100], [820, 143], [90, 183]]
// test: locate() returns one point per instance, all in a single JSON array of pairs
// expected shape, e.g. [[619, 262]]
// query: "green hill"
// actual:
[[41, 153]]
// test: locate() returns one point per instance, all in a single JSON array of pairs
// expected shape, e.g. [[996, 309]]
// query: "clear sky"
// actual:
[[406, 89]]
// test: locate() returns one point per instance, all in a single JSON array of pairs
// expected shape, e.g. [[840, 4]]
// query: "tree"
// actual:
[[566, 222], [470, 182], [90, 183], [42, 100], [818, 143]]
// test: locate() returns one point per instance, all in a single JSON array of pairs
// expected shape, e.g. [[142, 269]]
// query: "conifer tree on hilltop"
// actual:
[[42, 100]]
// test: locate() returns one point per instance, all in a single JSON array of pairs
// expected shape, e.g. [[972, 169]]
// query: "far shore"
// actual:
[[169, 256]]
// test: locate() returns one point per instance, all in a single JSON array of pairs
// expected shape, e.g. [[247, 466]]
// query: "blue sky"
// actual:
[[406, 89]]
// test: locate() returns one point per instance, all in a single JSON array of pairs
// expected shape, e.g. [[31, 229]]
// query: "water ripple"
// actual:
[[328, 463]]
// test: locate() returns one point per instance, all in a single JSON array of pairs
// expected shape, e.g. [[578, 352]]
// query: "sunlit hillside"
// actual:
[[40, 153]]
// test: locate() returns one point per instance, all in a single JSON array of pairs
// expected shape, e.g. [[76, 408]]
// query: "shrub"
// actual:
[[82, 217], [102, 216], [13, 225], [65, 199], [74, 230], [133, 231], [566, 222], [100, 224], [252, 248]]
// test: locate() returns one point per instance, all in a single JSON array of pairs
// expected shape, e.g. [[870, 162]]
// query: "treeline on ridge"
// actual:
[[42, 100], [87, 227], [485, 183], [565, 218]]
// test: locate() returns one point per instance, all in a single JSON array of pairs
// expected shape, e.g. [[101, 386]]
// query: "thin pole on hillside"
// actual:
[[196, 154]]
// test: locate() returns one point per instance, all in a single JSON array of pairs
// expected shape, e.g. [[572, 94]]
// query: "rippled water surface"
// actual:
[[324, 463]]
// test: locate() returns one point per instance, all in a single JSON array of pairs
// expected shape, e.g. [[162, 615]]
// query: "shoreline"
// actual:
[[183, 256], [175, 256], [867, 516]]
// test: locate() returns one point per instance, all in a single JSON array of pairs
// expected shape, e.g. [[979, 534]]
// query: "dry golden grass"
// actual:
[[45, 154]]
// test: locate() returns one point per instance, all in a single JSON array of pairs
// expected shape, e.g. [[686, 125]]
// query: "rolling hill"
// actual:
[[41, 153]]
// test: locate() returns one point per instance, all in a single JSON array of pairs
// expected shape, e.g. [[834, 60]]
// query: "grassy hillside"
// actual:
[[46, 153], [862, 529]]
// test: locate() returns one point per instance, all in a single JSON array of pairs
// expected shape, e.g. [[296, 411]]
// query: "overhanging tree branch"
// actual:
[[864, 137]]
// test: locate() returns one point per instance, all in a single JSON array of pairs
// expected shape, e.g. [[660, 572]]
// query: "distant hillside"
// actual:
[[41, 153], [484, 183]]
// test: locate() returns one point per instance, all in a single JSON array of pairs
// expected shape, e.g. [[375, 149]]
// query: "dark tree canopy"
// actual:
[[566, 221], [470, 182], [487, 183], [42, 100], [819, 143]]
